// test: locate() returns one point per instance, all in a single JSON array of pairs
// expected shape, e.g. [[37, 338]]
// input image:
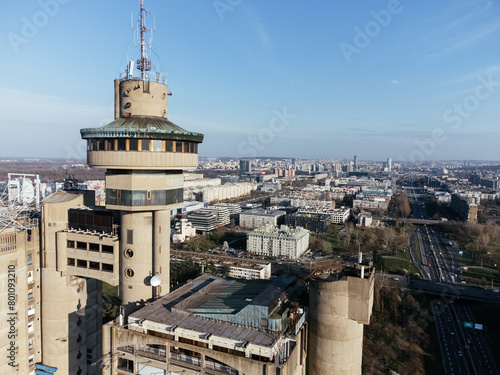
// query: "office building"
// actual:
[[203, 221], [245, 166]]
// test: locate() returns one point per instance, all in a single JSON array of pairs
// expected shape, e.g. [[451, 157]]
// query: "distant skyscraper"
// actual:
[[355, 166], [389, 164], [245, 166]]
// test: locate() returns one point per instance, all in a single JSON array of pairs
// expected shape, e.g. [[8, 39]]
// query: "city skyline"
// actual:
[[401, 79]]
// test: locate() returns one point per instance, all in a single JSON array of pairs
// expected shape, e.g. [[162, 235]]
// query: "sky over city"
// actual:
[[409, 79]]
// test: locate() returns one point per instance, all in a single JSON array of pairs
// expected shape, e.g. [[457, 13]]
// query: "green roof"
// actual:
[[142, 127]]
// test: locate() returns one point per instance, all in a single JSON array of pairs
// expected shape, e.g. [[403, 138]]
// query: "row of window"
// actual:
[[80, 263], [89, 246], [134, 144], [136, 198]]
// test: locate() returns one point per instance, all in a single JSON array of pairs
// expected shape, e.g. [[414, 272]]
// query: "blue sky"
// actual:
[[409, 79]]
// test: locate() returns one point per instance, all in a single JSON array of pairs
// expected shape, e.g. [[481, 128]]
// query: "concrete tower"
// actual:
[[337, 311], [144, 155]]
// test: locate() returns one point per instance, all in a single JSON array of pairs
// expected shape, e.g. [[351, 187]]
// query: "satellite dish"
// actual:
[[28, 192], [155, 280]]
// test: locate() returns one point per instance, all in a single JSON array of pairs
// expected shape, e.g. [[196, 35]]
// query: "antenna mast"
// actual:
[[143, 64]]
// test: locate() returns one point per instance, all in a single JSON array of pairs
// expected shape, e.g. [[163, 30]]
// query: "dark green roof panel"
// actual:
[[142, 127]]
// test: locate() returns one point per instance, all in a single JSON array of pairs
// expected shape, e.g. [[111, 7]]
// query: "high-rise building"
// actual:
[[20, 327], [245, 166], [144, 155], [212, 325], [355, 164]]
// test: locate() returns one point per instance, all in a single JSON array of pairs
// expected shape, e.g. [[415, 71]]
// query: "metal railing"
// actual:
[[185, 359]]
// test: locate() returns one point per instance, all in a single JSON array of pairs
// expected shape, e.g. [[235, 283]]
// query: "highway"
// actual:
[[464, 349], [463, 345]]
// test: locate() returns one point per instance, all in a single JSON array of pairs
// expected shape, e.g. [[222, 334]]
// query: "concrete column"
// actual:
[[161, 251], [336, 342], [202, 363], [63, 322], [136, 259]]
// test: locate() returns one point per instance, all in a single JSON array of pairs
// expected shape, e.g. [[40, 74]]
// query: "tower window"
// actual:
[[130, 236], [178, 146], [121, 145], [129, 272], [169, 146], [133, 144], [146, 145], [158, 145], [100, 144]]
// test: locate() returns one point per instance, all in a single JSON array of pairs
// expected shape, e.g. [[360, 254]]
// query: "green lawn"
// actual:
[[399, 266], [417, 246], [482, 276]]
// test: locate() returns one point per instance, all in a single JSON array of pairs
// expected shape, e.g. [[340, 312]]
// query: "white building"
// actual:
[[365, 219], [251, 271], [221, 212], [183, 229], [340, 215], [203, 221], [278, 242], [258, 218], [233, 208], [226, 191]]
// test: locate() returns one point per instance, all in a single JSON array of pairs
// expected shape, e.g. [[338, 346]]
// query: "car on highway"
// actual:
[[459, 353]]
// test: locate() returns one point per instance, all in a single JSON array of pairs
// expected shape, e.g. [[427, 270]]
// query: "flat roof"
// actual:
[[210, 294]]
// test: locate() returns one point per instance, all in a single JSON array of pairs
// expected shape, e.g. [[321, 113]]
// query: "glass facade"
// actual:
[[139, 198]]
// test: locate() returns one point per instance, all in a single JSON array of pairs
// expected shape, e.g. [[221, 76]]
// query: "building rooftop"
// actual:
[[142, 127], [262, 212], [283, 230], [60, 197], [212, 305]]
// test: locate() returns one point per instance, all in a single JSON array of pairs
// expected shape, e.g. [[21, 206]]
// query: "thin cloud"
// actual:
[[467, 39], [264, 36]]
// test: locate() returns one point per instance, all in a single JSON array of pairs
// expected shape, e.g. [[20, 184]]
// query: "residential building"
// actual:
[[465, 207], [20, 310], [258, 218], [315, 222], [278, 242]]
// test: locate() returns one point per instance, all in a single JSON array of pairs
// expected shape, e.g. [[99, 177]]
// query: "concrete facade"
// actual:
[[338, 311], [180, 333], [20, 299], [72, 311]]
